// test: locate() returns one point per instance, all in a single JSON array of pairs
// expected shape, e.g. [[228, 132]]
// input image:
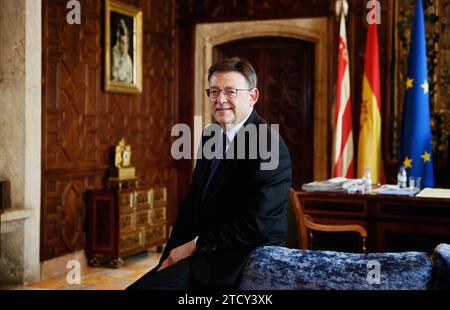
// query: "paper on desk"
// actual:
[[389, 189], [337, 180], [434, 193]]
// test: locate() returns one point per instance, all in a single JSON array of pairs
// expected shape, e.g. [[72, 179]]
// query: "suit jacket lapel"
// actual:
[[203, 166], [225, 167], [203, 173]]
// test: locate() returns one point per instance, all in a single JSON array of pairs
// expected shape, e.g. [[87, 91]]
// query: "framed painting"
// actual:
[[123, 48]]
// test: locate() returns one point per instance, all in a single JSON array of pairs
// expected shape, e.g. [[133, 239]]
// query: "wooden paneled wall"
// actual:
[[82, 122]]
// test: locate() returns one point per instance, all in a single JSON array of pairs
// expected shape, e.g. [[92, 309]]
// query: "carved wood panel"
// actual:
[[81, 122], [220, 11]]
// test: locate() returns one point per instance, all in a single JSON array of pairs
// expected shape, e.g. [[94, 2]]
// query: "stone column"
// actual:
[[20, 137]]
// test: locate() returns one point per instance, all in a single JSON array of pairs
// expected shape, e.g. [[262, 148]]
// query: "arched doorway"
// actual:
[[285, 68], [304, 31]]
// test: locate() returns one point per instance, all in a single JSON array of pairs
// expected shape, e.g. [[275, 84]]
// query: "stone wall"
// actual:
[[20, 136]]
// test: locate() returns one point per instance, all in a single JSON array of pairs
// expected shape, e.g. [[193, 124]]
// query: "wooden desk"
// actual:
[[393, 223]]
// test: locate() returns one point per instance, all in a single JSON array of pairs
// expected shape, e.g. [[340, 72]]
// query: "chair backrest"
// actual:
[[299, 218], [306, 225]]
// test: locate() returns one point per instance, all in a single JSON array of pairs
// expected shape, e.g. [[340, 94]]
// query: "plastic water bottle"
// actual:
[[367, 181], [401, 177]]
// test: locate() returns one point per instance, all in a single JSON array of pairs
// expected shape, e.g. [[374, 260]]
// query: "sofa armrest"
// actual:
[[441, 258]]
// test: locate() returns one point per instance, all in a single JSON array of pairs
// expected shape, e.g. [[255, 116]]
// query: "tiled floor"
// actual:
[[93, 278]]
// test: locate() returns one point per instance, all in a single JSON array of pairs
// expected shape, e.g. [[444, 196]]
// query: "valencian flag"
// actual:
[[343, 162], [369, 146], [415, 142]]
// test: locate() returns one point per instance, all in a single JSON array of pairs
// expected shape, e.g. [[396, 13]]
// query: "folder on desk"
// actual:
[[338, 184]]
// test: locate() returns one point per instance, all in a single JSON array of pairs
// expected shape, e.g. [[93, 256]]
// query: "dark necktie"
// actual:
[[215, 164]]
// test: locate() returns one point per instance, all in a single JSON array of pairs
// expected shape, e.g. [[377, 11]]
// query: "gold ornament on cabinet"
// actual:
[[123, 174]]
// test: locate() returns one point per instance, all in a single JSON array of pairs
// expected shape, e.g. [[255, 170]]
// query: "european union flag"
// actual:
[[415, 144]]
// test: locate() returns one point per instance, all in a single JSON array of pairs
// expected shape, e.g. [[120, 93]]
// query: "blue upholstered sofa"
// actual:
[[280, 268]]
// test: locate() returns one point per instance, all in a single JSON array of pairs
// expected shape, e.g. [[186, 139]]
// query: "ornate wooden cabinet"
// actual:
[[122, 222]]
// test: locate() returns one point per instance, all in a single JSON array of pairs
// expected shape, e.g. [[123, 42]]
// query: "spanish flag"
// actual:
[[369, 146]]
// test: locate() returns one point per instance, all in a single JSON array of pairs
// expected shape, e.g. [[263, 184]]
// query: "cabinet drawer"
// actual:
[[126, 202], [154, 234], [158, 216], [329, 206], [142, 217], [413, 210], [126, 199], [131, 241], [144, 198], [127, 222], [160, 196]]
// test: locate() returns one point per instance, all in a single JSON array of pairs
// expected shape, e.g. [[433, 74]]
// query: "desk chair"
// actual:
[[306, 226]]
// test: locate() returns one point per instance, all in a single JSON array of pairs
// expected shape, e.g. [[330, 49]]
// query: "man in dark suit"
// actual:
[[235, 203]]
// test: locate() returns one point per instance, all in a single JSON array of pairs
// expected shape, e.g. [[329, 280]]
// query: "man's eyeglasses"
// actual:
[[213, 93]]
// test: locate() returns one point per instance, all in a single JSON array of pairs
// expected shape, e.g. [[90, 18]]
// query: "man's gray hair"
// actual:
[[235, 64]]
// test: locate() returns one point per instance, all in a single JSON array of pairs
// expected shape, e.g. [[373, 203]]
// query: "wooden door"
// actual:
[[285, 69]]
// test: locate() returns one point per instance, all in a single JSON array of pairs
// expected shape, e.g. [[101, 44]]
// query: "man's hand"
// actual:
[[179, 253]]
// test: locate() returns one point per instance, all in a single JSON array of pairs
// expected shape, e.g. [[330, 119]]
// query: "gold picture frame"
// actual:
[[123, 48]]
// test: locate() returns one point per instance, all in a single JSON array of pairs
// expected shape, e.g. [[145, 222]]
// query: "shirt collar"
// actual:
[[233, 131]]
